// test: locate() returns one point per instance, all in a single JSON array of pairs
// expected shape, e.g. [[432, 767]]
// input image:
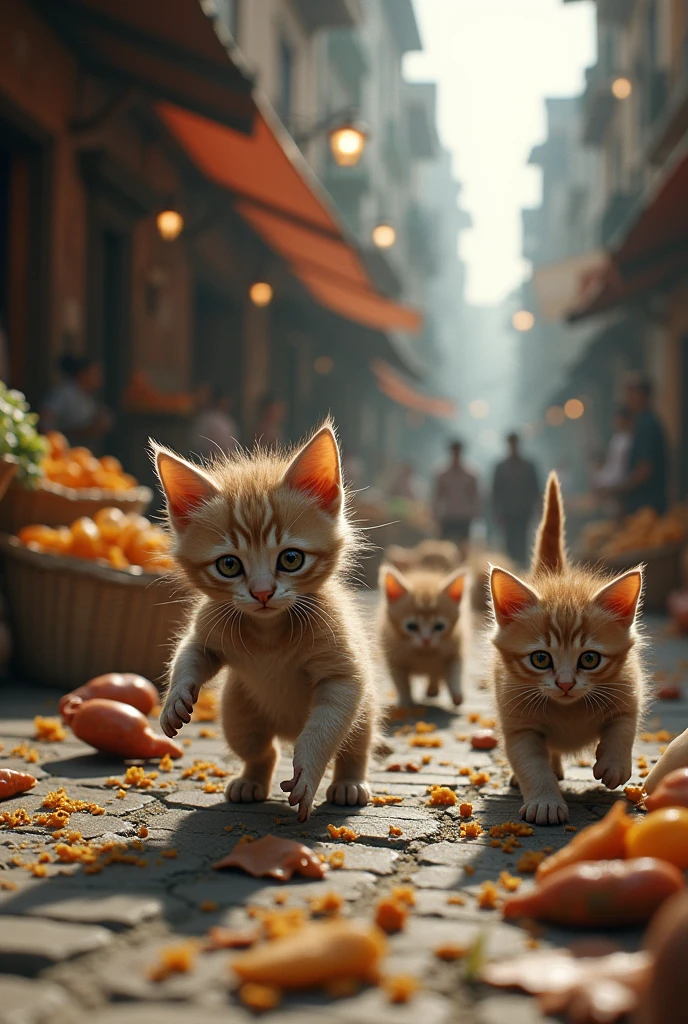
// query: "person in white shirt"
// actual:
[[615, 467], [214, 430], [456, 499]]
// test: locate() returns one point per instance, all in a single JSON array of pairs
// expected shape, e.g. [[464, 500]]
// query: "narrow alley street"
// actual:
[[73, 941]]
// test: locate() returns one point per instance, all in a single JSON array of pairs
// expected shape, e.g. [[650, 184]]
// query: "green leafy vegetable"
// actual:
[[19, 437]]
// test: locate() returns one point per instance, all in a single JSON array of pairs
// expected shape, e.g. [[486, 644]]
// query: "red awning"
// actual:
[[401, 391], [655, 248], [277, 194]]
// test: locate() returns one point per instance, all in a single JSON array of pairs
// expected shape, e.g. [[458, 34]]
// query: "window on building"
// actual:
[[286, 80]]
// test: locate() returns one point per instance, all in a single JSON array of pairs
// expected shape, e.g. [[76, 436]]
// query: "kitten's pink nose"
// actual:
[[566, 685], [262, 595]]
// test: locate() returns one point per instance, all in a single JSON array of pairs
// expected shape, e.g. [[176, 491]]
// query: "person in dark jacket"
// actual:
[[515, 496], [645, 485]]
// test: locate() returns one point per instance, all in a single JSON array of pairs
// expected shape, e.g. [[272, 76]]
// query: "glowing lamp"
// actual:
[[170, 224], [260, 293], [523, 320], [347, 142], [323, 365], [622, 88], [384, 236], [574, 408]]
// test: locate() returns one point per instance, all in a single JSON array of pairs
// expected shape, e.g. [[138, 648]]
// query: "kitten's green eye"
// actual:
[[541, 659], [411, 626], [290, 560], [589, 659], [438, 627], [229, 567]]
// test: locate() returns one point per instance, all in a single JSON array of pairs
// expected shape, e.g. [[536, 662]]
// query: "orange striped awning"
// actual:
[[277, 194], [401, 391]]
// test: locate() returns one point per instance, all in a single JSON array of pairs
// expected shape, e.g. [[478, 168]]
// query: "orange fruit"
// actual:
[[134, 525], [146, 545], [117, 558], [58, 443], [86, 539], [110, 522], [42, 535], [61, 540], [80, 455], [662, 834], [110, 464]]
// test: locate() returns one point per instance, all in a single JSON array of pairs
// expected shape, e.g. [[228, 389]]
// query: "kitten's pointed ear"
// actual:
[[393, 583], [454, 584], [509, 595], [185, 486], [620, 597], [316, 469]]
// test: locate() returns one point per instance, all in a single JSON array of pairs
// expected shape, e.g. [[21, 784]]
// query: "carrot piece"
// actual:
[[605, 840]]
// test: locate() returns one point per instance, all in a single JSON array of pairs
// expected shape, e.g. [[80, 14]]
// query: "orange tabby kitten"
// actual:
[[264, 540], [419, 627], [567, 671]]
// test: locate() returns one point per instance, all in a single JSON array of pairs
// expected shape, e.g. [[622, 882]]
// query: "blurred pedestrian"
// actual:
[[214, 430], [515, 496], [614, 467], [73, 407], [456, 499], [645, 485], [272, 413]]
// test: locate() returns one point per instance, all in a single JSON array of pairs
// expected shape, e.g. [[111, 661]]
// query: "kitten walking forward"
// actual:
[[568, 675], [419, 629], [264, 541]]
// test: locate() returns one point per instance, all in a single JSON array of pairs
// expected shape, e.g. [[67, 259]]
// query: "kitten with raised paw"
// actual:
[[265, 542], [567, 670], [419, 629]]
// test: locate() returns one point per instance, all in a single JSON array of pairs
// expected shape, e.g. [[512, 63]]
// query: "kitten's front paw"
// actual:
[[612, 773], [301, 790], [178, 709], [245, 791], [546, 810], [349, 793], [433, 689]]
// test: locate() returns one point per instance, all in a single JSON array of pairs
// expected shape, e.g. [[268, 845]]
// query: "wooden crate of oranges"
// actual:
[[74, 483], [91, 598]]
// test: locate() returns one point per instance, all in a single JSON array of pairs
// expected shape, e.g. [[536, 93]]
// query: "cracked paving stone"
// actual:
[[28, 945], [32, 1002], [124, 975], [380, 860], [119, 911], [422, 936], [236, 889], [514, 1008], [168, 1013]]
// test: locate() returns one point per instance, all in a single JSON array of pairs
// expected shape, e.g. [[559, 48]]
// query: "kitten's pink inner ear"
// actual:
[[455, 588], [185, 487], [620, 597], [394, 588], [316, 469], [509, 595]]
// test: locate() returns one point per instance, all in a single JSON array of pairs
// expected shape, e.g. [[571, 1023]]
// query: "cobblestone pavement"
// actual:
[[76, 945]]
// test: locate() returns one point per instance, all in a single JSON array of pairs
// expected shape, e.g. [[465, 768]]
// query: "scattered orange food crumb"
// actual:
[[173, 960], [465, 771], [57, 800], [488, 897], [259, 997], [532, 944], [336, 858], [384, 800], [584, 762], [166, 763], [207, 734], [208, 906], [468, 869], [400, 988], [488, 723], [200, 770], [328, 904], [396, 767], [50, 730], [442, 796], [120, 794], [405, 894], [570, 828], [213, 787], [456, 900], [425, 727], [661, 736], [27, 753], [38, 870], [509, 882], [390, 914], [230, 938], [634, 794], [479, 778], [206, 706], [473, 717], [641, 761], [466, 809], [411, 767], [512, 828], [170, 854], [530, 861], [9, 886], [426, 759], [395, 831], [137, 776], [56, 819], [425, 741], [451, 951], [347, 835], [471, 830], [243, 840], [643, 773]]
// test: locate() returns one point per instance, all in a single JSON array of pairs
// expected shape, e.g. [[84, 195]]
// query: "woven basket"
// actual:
[[73, 619], [662, 572], [54, 505]]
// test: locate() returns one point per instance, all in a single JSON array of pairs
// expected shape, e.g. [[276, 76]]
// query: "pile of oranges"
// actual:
[[110, 538], [79, 468]]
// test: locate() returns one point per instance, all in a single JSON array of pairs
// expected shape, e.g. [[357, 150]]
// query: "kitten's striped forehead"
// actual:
[[565, 627], [252, 521]]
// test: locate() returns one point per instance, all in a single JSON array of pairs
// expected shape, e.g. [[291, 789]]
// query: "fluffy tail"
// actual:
[[550, 543]]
